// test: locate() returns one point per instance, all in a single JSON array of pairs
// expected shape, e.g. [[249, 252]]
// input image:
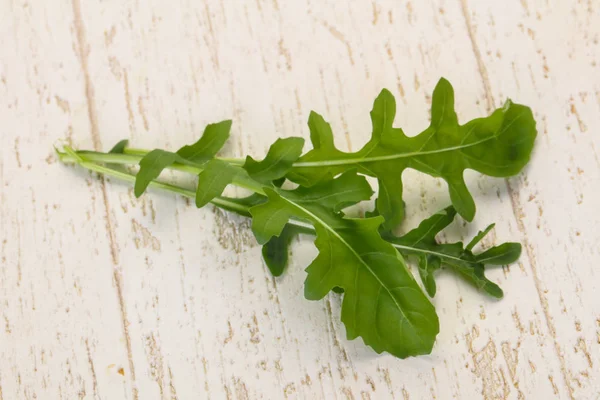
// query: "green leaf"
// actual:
[[382, 302], [421, 243], [211, 141], [342, 192], [427, 266], [479, 237], [506, 253], [275, 251], [389, 203], [360, 259], [278, 161], [214, 179], [324, 196], [119, 148], [217, 174], [475, 275], [346, 190], [151, 166], [499, 145], [197, 154]]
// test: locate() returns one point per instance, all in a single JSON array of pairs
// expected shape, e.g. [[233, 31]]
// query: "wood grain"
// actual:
[[106, 296]]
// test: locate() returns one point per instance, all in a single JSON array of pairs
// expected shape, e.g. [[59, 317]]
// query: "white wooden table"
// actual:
[[105, 296]]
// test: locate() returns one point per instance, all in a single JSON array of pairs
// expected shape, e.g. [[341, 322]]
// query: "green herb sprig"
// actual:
[[359, 257]]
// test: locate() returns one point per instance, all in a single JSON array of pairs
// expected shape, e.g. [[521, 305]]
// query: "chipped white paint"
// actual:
[[104, 296]]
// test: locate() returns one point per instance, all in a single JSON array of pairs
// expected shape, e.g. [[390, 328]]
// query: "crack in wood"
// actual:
[[83, 50], [516, 206]]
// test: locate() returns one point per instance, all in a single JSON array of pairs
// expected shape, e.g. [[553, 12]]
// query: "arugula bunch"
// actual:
[[359, 257]]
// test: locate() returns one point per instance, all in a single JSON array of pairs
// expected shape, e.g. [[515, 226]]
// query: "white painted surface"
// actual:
[[104, 296]]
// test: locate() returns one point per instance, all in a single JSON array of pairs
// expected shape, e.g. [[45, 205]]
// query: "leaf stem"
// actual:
[[118, 158], [221, 202], [89, 160], [134, 156], [96, 156]]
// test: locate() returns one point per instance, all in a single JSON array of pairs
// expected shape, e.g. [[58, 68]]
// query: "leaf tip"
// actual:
[[226, 123], [444, 84], [248, 162], [385, 96], [514, 250], [385, 92], [468, 214], [295, 142], [138, 190], [314, 116], [431, 290], [120, 147], [443, 81]]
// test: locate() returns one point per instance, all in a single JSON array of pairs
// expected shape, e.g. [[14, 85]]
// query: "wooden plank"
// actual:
[[290, 342], [523, 54], [182, 305], [61, 335]]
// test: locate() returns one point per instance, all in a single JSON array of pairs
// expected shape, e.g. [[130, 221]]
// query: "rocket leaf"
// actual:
[[421, 243], [275, 251], [499, 145], [214, 179], [153, 163], [217, 174], [151, 166], [211, 141], [278, 161], [382, 302], [358, 258]]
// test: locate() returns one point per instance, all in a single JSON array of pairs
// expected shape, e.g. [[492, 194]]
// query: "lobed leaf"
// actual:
[[151, 166], [421, 243], [358, 258], [382, 302], [213, 180], [209, 144], [278, 162], [504, 254], [270, 172], [197, 154], [499, 145]]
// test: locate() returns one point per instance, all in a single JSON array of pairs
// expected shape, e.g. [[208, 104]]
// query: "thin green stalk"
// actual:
[[130, 155], [118, 158], [221, 202], [128, 159], [88, 160]]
